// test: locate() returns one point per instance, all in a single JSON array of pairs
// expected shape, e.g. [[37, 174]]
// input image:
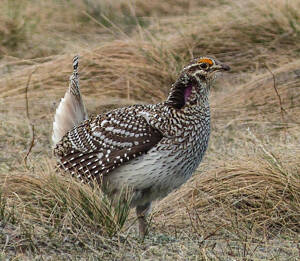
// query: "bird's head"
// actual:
[[194, 81], [204, 68]]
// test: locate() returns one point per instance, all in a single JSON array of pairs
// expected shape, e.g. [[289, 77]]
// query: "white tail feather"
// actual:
[[71, 110]]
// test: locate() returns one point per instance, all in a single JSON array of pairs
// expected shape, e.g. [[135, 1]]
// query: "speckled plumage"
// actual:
[[153, 149]]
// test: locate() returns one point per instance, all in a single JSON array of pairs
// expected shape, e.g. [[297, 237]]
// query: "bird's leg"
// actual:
[[142, 213]]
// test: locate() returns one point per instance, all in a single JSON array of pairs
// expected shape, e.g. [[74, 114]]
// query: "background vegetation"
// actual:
[[243, 203]]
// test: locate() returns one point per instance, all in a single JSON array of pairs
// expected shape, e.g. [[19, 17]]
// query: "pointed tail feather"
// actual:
[[71, 110]]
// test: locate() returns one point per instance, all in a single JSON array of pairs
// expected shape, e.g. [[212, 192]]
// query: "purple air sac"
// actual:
[[187, 93]]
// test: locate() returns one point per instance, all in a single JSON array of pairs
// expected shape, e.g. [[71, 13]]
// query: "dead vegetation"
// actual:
[[263, 190], [261, 98], [244, 201]]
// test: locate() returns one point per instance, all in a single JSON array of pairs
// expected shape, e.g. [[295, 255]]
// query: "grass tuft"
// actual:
[[62, 203]]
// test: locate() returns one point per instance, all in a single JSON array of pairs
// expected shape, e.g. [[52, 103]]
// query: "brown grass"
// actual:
[[24, 24], [153, 58], [242, 203], [258, 100], [262, 188]]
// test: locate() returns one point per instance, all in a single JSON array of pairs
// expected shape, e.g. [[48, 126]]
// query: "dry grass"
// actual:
[[257, 99], [51, 200], [261, 189], [24, 24], [153, 57], [244, 201]]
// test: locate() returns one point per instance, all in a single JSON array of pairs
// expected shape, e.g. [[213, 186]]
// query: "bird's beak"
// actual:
[[222, 67]]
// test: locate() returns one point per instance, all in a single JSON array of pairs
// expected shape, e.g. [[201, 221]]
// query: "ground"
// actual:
[[243, 202]]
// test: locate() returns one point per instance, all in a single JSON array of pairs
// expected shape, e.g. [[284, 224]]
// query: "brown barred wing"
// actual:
[[101, 144]]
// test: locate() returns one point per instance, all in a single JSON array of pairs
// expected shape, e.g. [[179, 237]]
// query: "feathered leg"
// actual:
[[71, 110], [142, 213]]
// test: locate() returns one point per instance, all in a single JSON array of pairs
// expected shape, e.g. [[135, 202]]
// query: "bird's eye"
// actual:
[[203, 65]]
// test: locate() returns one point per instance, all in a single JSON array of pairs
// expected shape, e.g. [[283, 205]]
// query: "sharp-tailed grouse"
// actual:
[[153, 149]]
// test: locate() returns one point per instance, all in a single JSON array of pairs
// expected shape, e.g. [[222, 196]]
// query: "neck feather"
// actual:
[[184, 91]]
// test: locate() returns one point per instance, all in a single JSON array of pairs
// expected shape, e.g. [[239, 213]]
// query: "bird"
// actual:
[[150, 148]]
